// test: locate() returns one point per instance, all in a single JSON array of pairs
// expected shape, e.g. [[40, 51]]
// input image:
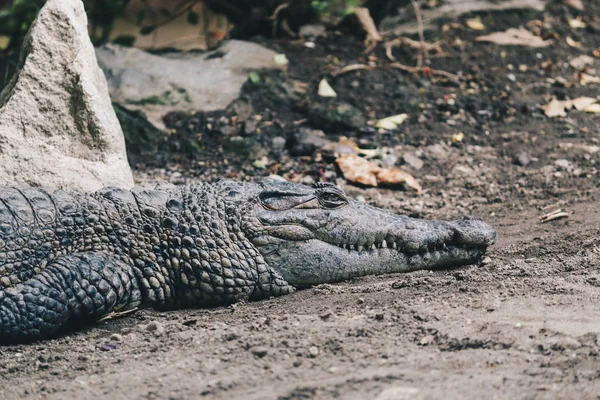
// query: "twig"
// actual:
[[422, 50], [412, 44], [275, 17], [353, 67], [425, 71], [558, 214], [413, 70], [365, 20]]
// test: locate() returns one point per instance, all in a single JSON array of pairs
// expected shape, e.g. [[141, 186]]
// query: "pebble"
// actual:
[[313, 351], [115, 337], [155, 327], [278, 143], [523, 159], [260, 351], [413, 161], [562, 164]]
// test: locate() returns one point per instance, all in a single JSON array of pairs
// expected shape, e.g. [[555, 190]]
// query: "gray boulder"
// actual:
[[57, 125], [158, 84]]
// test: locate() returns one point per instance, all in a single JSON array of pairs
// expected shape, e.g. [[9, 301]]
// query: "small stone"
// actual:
[[562, 164], [326, 314], [155, 327], [260, 351], [278, 143], [486, 261], [523, 159], [115, 337], [413, 161], [426, 340], [313, 351]]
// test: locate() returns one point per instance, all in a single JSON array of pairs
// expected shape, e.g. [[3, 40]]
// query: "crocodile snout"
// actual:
[[472, 231]]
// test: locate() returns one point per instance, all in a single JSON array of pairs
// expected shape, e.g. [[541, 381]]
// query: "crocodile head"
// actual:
[[313, 235]]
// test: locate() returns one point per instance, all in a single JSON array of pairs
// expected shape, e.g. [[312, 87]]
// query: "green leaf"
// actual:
[[146, 30], [193, 18], [254, 77]]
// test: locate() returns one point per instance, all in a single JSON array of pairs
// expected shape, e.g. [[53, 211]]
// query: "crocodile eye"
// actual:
[[329, 199]]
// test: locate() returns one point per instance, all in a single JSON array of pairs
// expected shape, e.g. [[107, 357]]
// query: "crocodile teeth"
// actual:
[[383, 244], [359, 248], [373, 246], [394, 245]]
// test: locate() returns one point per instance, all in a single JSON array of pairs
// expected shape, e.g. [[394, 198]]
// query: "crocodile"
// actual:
[[67, 260]]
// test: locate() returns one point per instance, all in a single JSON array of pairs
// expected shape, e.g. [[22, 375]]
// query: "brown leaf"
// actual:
[[515, 37], [357, 169]]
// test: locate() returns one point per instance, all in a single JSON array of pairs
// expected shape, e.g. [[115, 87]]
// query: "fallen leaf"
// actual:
[[253, 77], [515, 37], [391, 123], [359, 170], [577, 24], [475, 24], [571, 42], [556, 108], [458, 137], [593, 108], [580, 62], [584, 79], [581, 103], [576, 4], [280, 59], [4, 42], [325, 90]]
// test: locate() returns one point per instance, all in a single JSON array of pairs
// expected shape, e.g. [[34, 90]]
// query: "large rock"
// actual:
[[159, 84], [57, 125]]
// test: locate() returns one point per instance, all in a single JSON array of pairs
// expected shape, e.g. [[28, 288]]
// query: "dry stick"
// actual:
[[402, 67], [353, 67], [365, 20], [275, 15], [422, 50]]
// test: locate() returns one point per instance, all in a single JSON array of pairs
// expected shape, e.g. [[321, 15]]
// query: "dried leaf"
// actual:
[[581, 103], [458, 137], [585, 79], [556, 108], [580, 62], [577, 23], [4, 42], [571, 42], [576, 4], [593, 108], [515, 37], [325, 90], [475, 24], [359, 170], [395, 176], [391, 123]]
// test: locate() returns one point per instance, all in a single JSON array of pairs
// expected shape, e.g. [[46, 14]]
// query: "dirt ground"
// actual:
[[524, 324]]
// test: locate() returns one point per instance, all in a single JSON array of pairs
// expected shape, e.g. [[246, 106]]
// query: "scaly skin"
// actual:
[[72, 259]]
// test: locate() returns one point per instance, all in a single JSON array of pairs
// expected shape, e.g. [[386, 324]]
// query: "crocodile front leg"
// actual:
[[72, 289]]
